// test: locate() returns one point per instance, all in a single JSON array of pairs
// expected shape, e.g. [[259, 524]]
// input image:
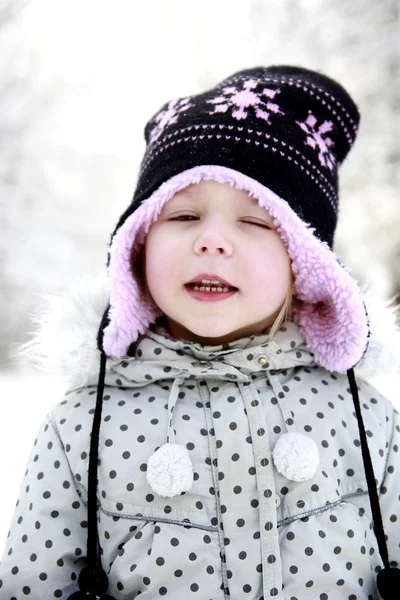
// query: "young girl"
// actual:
[[221, 452]]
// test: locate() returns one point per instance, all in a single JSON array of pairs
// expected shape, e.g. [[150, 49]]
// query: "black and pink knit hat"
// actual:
[[280, 133]]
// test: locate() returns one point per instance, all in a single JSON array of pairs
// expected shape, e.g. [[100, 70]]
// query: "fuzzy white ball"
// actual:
[[170, 470], [296, 456]]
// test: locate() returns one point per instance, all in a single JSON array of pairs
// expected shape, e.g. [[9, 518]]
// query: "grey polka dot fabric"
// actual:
[[242, 530]]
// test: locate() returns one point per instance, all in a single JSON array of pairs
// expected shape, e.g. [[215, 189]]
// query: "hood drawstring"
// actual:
[[92, 580], [295, 455], [388, 579], [169, 469]]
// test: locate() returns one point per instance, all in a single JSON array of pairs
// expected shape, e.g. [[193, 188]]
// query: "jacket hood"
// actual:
[[66, 323]]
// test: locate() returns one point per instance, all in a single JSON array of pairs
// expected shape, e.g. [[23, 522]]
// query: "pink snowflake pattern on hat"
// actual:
[[169, 116], [241, 99], [315, 139]]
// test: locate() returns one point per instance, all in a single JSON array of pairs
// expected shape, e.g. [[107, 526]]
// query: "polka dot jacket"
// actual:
[[243, 530]]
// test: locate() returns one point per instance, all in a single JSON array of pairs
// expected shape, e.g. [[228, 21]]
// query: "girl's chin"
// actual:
[[200, 331]]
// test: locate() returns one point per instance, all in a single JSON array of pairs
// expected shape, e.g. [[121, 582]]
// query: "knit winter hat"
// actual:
[[280, 133]]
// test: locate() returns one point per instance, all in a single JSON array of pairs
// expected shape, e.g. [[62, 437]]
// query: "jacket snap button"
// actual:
[[262, 360], [202, 363], [277, 501]]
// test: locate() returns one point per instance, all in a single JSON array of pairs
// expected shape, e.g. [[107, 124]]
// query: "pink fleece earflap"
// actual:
[[331, 315]]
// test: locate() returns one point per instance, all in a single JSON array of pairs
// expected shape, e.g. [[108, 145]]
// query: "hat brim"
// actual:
[[331, 314]]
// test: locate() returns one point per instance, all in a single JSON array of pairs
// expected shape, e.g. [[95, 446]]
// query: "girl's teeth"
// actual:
[[210, 289]]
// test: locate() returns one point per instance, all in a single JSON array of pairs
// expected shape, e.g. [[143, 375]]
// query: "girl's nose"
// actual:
[[214, 241]]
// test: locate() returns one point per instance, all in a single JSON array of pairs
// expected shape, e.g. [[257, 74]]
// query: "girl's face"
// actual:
[[214, 228]]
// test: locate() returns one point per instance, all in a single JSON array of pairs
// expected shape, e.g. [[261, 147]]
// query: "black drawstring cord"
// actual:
[[93, 581], [388, 579], [92, 543]]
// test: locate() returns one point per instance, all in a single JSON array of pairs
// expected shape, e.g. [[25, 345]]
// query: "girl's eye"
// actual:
[[248, 222], [183, 217], [259, 224]]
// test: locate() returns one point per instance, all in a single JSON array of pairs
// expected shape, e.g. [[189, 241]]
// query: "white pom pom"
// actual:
[[170, 470], [296, 456]]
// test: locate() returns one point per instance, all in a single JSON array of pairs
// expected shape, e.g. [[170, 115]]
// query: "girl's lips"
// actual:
[[209, 296]]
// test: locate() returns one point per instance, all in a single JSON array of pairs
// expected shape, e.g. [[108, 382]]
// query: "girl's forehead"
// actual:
[[212, 191]]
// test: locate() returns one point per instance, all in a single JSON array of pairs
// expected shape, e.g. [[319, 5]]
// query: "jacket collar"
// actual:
[[288, 349], [287, 340], [158, 356]]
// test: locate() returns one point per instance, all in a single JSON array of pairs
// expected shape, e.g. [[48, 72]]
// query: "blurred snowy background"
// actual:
[[80, 79]]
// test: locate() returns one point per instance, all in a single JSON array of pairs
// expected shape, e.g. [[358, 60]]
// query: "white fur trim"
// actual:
[[383, 354], [170, 470], [296, 456], [66, 322]]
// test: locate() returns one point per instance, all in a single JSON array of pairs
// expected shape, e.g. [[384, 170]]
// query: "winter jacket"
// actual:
[[242, 530]]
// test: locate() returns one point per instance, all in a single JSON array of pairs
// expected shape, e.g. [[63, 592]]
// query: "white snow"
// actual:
[[26, 397]]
